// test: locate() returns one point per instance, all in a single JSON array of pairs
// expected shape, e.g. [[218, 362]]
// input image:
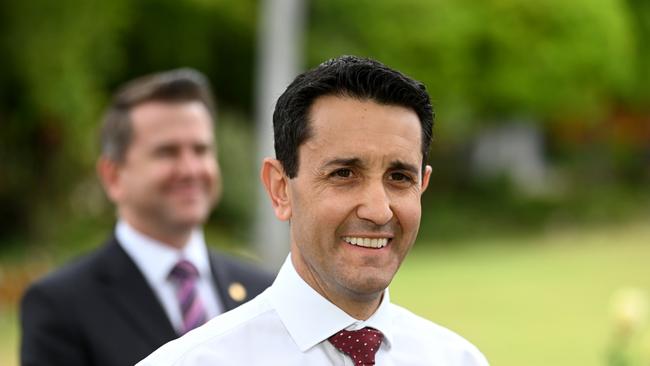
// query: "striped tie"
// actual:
[[184, 275]]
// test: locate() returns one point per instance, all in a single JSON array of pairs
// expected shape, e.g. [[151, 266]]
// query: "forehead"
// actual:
[[344, 127], [155, 121]]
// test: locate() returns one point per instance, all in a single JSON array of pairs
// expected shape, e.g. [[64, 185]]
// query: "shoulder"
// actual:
[[54, 304], [221, 338], [72, 278], [437, 340]]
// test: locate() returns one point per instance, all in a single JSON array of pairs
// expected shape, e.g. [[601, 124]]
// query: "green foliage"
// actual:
[[234, 215], [61, 54], [486, 59], [216, 37], [640, 23], [58, 57]]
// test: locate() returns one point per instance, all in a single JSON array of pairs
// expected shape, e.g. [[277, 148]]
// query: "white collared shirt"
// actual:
[[289, 323], [156, 260]]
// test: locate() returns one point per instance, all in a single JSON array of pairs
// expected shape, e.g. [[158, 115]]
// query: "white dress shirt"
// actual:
[[289, 323], [156, 260]]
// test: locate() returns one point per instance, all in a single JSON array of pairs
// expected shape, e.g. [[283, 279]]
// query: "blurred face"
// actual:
[[355, 203], [169, 180]]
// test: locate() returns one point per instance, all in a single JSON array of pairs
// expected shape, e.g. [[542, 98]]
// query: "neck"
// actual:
[[360, 309], [170, 237], [356, 305]]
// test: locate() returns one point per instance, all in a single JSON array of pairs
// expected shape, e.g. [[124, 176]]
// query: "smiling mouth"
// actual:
[[366, 242]]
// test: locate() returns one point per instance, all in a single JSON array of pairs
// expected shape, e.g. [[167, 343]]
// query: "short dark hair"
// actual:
[[345, 76], [180, 85]]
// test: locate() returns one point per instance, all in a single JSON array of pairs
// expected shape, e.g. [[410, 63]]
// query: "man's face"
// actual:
[[355, 203], [169, 179]]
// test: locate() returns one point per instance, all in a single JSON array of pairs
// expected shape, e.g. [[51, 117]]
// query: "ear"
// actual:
[[426, 175], [276, 186], [108, 172]]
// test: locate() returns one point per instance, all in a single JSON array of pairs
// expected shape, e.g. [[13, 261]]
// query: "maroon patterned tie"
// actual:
[[361, 345], [184, 275]]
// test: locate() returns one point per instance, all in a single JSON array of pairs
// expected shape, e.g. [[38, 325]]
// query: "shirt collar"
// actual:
[[156, 259], [312, 319]]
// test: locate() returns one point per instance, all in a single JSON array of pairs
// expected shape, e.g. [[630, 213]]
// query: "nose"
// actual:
[[375, 204], [189, 163]]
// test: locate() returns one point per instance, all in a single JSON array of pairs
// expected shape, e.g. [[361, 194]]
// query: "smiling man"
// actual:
[[351, 141], [154, 279]]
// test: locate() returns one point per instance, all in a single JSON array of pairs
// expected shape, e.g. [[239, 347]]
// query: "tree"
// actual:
[[486, 60]]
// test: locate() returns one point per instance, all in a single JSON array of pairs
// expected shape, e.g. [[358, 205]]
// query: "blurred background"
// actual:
[[535, 236]]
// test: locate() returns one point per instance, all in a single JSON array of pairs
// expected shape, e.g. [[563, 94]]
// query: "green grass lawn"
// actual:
[[523, 301], [8, 339], [530, 301]]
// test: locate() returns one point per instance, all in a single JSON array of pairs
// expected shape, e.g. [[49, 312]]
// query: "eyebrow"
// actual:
[[344, 162], [400, 165], [395, 164]]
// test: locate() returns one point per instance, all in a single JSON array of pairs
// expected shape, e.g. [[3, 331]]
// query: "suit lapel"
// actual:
[[128, 289], [222, 280]]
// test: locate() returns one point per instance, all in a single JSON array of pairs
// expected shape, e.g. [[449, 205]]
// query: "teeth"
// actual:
[[367, 242]]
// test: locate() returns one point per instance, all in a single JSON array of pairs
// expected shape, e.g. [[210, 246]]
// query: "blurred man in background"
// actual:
[[351, 142], [154, 279]]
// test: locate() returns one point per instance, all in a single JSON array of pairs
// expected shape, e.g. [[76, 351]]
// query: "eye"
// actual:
[[165, 151], [342, 173], [202, 149], [400, 177]]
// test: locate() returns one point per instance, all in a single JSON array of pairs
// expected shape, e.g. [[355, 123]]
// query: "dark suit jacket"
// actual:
[[100, 311]]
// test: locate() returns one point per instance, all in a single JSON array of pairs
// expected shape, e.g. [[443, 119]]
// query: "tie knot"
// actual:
[[184, 270], [361, 345]]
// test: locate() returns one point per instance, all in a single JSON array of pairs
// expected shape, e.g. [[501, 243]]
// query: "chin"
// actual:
[[371, 286], [190, 221], [192, 214]]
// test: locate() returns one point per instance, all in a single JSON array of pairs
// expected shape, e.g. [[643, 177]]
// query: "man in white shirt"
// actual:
[[155, 278], [351, 141]]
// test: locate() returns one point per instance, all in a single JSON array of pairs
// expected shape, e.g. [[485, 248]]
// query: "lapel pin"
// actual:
[[237, 291]]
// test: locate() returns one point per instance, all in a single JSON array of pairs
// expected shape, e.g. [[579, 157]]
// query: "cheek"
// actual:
[[212, 168], [318, 215], [409, 214], [212, 176], [157, 175], [149, 177], [331, 213]]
